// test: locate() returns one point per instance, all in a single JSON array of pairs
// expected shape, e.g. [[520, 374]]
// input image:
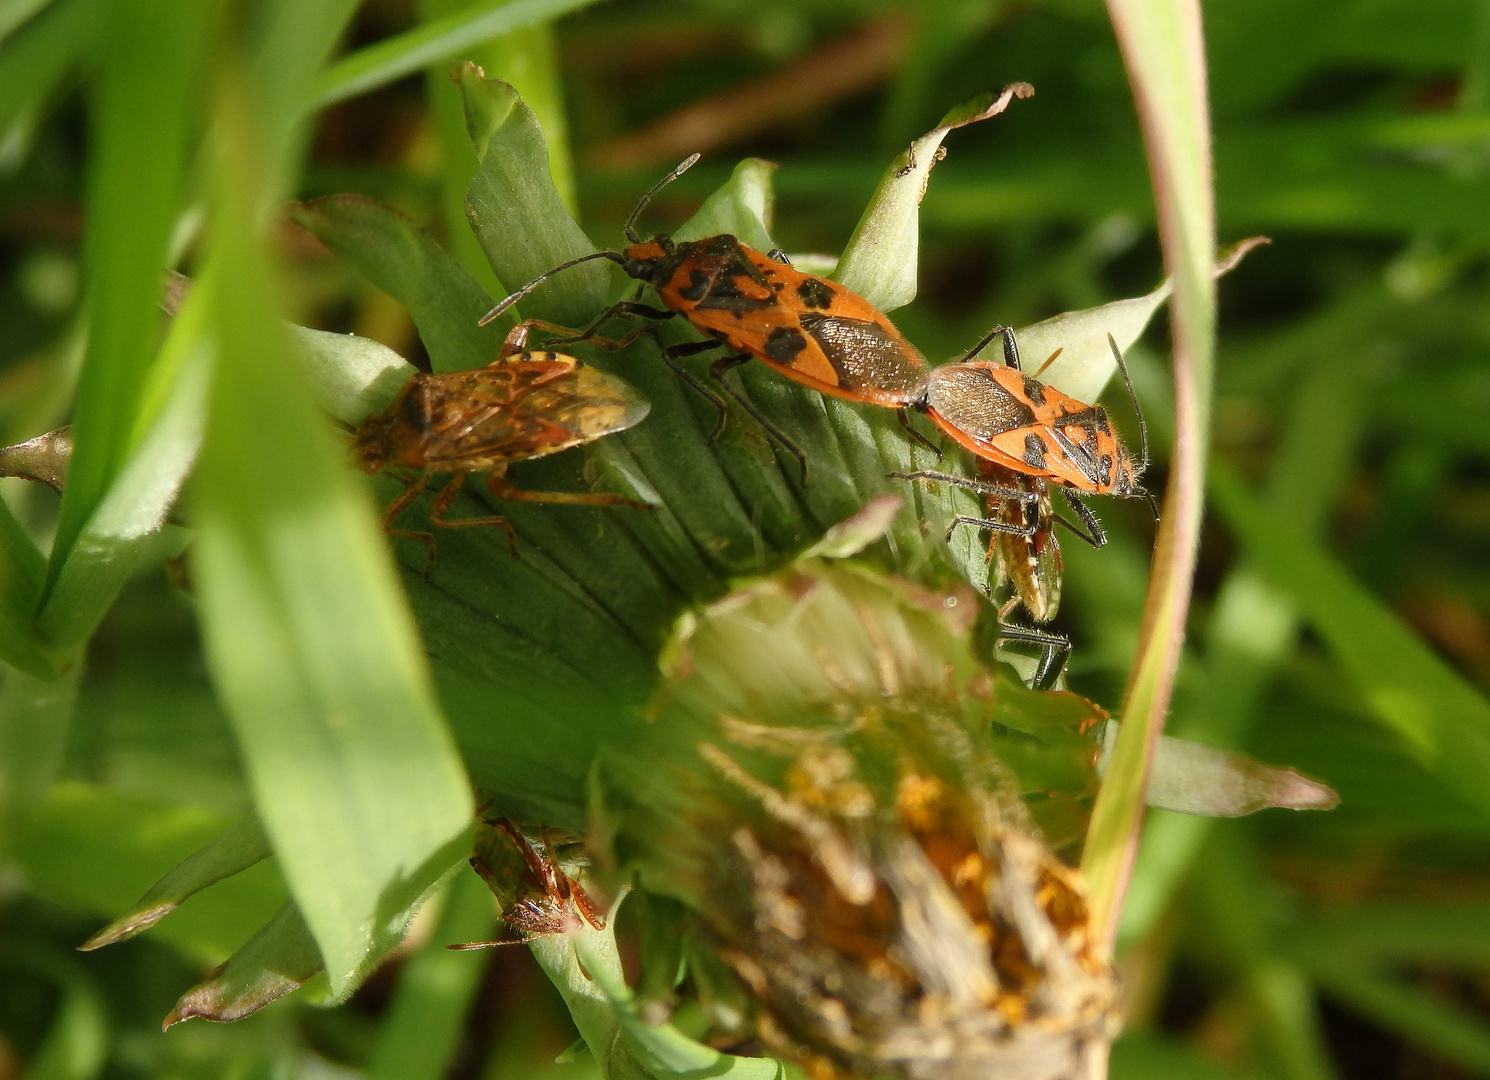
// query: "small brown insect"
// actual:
[[524, 405], [536, 895]]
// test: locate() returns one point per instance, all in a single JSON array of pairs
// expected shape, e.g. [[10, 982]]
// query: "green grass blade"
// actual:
[[404, 261], [1447, 1029], [37, 57], [22, 572], [1165, 55], [143, 112], [432, 43], [95, 849], [422, 1029], [126, 526], [234, 851], [313, 650], [1443, 721]]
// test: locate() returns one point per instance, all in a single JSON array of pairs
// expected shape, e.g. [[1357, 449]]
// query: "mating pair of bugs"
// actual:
[[1026, 436]]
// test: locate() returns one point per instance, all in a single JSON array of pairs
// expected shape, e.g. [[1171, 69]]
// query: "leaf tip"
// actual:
[[128, 926]]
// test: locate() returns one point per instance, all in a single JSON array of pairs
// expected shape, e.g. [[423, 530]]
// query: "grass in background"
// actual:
[[1351, 640]]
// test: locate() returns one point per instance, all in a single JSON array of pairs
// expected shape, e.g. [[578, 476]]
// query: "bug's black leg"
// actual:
[[777, 255], [670, 357], [905, 425], [1029, 528], [1011, 349], [1090, 528], [623, 307], [982, 487], [718, 369], [1054, 652]]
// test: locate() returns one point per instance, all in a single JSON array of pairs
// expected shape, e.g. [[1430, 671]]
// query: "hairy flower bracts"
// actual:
[[821, 789]]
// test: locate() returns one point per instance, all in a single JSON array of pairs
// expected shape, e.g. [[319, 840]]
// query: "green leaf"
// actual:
[[403, 260], [1164, 51], [741, 207], [1193, 778], [880, 260], [143, 113], [1443, 722], [309, 640], [1085, 363], [281, 957], [431, 43], [350, 376], [516, 211], [231, 853], [421, 1031]]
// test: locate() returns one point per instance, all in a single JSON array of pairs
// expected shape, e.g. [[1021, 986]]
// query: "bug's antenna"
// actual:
[[666, 180], [1143, 428], [613, 256]]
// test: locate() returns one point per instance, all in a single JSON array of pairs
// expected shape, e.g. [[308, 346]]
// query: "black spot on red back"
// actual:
[[784, 343], [816, 293]]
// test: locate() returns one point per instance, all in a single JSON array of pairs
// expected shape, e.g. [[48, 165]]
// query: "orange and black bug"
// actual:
[[813, 331], [1011, 419], [520, 406], [995, 410], [538, 898]]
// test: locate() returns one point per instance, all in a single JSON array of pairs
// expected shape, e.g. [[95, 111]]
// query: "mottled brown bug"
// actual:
[[524, 405]]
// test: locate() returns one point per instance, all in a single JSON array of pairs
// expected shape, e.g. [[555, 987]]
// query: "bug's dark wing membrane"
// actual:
[[865, 354], [970, 399]]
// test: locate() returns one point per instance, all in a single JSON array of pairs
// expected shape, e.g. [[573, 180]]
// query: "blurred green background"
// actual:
[[1353, 396]]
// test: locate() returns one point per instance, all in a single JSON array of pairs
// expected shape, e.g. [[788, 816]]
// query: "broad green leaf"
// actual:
[[97, 849], [403, 260], [880, 260], [421, 1031], [231, 853], [1163, 48], [516, 211], [742, 207], [1443, 722], [311, 646], [281, 957], [144, 108], [431, 43]]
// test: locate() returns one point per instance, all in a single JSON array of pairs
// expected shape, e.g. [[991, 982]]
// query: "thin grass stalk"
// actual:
[[1164, 52]]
